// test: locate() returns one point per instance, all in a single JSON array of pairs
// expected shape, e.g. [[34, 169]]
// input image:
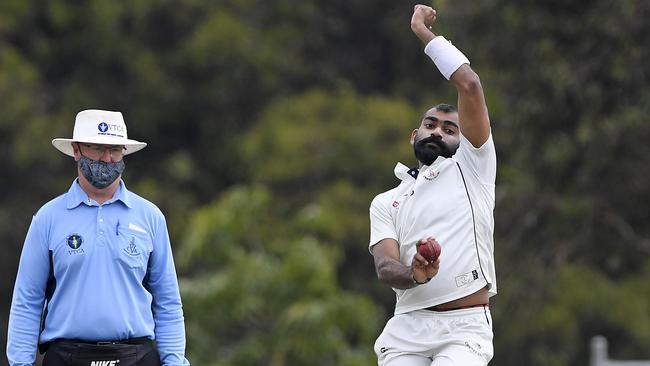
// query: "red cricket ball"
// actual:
[[430, 250]]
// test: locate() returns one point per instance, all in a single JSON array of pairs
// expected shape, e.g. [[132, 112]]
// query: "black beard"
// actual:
[[427, 154]]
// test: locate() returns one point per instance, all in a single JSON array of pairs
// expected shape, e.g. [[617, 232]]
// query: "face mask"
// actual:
[[99, 173]]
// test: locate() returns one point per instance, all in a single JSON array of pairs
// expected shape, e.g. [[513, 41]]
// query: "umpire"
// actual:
[[96, 283]]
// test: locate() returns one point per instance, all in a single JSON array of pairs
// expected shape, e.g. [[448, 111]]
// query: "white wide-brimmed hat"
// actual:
[[95, 126]]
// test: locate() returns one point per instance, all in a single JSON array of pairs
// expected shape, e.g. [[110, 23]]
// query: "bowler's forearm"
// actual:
[[422, 32], [394, 274]]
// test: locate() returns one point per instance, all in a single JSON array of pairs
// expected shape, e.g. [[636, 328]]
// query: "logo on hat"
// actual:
[[96, 126]]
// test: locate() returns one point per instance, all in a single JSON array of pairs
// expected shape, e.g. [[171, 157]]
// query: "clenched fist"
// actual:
[[421, 22]]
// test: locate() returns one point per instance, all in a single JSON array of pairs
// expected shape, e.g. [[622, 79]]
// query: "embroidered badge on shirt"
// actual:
[[131, 249], [74, 242], [431, 174]]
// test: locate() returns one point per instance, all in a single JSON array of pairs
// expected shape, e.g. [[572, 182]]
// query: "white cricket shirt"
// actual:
[[453, 201]]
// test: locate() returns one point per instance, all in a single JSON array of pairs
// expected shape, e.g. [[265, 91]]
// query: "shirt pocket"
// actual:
[[133, 249]]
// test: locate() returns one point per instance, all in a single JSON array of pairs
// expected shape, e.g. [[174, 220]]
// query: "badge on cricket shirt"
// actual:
[[431, 174], [75, 241], [131, 249]]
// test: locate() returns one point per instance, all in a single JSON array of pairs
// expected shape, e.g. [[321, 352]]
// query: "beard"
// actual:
[[428, 149]]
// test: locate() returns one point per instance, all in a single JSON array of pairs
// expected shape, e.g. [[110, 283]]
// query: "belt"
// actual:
[[139, 340], [438, 308], [71, 342]]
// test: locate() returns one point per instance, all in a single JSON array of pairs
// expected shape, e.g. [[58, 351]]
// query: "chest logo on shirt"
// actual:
[[131, 249], [431, 174], [74, 241]]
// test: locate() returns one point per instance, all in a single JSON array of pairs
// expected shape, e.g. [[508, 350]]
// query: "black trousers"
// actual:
[[69, 353]]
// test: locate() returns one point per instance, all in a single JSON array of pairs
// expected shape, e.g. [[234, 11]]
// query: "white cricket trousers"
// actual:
[[431, 338]]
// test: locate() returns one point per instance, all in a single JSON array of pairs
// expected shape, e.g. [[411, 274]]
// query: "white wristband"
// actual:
[[445, 55]]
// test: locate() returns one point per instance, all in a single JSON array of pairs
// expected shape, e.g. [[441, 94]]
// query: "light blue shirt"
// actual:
[[96, 272]]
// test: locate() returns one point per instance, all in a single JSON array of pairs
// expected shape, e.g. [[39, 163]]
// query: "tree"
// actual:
[[264, 293]]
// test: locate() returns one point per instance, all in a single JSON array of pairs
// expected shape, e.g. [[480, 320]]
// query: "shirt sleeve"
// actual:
[[381, 221], [482, 161], [28, 297], [167, 307]]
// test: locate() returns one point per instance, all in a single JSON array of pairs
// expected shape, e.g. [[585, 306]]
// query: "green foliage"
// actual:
[[582, 303], [269, 291], [327, 155], [303, 143]]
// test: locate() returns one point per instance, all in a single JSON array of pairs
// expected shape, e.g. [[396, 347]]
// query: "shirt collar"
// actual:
[[403, 172], [76, 195]]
